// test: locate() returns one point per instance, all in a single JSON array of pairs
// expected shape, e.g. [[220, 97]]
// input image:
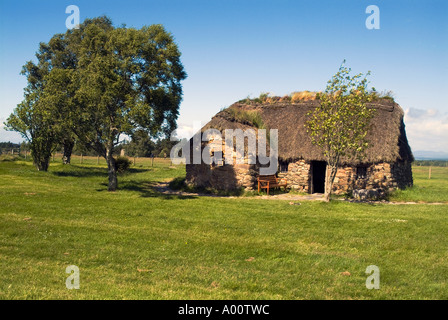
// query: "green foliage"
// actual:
[[32, 118], [10, 157], [340, 123], [98, 82], [163, 147], [246, 100], [141, 145], [6, 147], [262, 97], [385, 94], [249, 117], [266, 98], [434, 163]]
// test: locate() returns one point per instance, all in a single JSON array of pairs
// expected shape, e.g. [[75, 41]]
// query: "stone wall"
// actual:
[[383, 176], [224, 177], [227, 177], [221, 176], [298, 175]]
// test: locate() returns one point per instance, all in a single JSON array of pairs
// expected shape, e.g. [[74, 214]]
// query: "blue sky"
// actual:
[[232, 49]]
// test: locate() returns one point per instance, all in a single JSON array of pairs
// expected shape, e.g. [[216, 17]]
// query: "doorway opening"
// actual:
[[318, 170]]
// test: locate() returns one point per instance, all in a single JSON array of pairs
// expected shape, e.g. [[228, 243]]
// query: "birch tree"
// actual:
[[340, 123]]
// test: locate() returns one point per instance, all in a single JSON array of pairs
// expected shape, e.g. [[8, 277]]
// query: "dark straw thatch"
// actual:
[[387, 136]]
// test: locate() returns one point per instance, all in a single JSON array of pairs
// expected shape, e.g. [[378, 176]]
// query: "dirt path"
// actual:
[[163, 187]]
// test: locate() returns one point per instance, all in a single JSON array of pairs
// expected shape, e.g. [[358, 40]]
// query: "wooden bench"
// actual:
[[270, 181]]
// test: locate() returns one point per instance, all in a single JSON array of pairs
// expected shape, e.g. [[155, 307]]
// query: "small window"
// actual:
[[361, 172], [216, 162], [283, 166]]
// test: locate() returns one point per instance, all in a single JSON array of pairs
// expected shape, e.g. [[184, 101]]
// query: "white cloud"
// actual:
[[427, 129], [6, 136], [187, 130]]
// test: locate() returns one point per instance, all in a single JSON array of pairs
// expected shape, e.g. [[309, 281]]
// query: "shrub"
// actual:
[[385, 94], [249, 117], [122, 164], [177, 184], [303, 96], [9, 157]]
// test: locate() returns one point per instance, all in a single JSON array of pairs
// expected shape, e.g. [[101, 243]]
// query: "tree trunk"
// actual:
[[113, 183], [330, 174], [42, 165], [68, 148], [41, 155], [328, 185], [41, 162]]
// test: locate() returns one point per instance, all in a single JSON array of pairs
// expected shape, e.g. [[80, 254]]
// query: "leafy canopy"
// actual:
[[340, 123], [98, 82]]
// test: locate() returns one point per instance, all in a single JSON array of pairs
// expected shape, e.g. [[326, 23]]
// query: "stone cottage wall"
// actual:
[[298, 175], [222, 176], [227, 177], [381, 175], [377, 176]]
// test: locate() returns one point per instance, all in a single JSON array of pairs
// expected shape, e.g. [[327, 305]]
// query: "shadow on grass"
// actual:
[[135, 170], [147, 190], [178, 184], [80, 171]]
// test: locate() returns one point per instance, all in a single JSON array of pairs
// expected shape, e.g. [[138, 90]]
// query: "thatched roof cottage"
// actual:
[[386, 165]]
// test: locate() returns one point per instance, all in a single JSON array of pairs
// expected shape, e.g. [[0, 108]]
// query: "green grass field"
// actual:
[[434, 189], [138, 244]]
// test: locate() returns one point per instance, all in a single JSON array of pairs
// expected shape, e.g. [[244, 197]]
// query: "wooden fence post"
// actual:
[[429, 172]]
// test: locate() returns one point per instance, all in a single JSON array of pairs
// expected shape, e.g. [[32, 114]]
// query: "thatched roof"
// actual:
[[387, 136]]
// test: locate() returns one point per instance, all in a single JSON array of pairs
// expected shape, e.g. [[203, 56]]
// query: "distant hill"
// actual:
[[430, 155]]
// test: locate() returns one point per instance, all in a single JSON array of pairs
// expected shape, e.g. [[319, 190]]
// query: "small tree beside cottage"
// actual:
[[339, 124]]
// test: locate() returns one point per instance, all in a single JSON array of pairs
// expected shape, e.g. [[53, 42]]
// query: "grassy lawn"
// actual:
[[425, 189], [139, 244]]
